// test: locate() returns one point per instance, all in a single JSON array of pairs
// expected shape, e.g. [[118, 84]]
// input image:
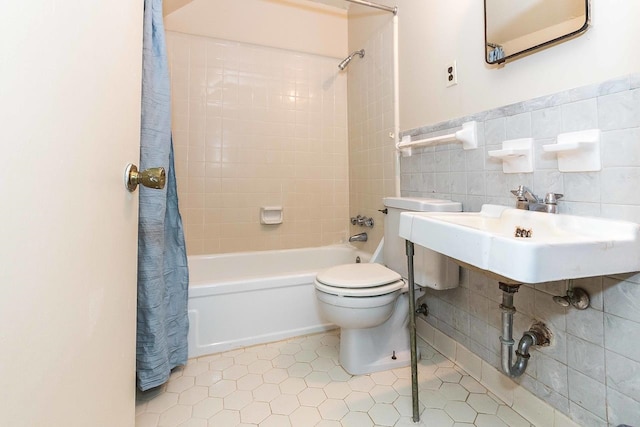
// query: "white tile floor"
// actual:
[[298, 382]]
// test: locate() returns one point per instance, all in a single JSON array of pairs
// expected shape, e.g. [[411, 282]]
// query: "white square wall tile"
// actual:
[[444, 344], [425, 330], [512, 418], [532, 408], [498, 383], [561, 420], [469, 361]]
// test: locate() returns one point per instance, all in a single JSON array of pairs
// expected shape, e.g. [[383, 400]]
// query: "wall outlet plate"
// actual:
[[452, 74]]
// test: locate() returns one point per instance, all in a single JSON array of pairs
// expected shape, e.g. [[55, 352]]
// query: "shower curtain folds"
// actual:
[[163, 278]]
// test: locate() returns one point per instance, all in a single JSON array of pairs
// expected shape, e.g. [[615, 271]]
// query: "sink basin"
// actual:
[[528, 247]]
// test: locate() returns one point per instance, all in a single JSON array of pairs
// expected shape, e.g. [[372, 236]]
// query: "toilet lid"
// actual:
[[351, 276], [359, 280]]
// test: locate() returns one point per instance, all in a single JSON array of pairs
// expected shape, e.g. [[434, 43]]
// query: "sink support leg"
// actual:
[[412, 334], [538, 334]]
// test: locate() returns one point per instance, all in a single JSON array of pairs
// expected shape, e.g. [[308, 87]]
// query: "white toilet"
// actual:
[[369, 302]]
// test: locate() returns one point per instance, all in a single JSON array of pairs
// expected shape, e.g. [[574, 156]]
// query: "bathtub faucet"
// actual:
[[360, 237]]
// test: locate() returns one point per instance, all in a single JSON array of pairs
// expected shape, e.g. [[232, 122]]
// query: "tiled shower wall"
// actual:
[[592, 370], [255, 126], [371, 124]]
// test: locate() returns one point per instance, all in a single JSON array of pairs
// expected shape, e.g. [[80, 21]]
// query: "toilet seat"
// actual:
[[359, 280]]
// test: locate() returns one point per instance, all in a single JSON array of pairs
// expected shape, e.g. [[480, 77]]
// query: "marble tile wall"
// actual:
[[592, 370]]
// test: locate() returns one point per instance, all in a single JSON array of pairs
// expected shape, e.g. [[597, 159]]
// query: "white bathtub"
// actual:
[[247, 298]]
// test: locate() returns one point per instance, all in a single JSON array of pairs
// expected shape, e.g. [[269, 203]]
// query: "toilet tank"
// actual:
[[431, 269]]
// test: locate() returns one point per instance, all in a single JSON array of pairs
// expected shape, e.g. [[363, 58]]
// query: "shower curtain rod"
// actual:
[[393, 10]]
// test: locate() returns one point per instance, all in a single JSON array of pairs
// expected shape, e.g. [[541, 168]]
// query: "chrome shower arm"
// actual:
[[348, 59]]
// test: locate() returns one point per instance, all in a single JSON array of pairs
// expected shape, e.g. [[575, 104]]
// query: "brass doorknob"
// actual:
[[152, 177]]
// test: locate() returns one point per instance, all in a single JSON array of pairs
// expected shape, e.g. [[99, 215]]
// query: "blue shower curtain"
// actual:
[[163, 275]]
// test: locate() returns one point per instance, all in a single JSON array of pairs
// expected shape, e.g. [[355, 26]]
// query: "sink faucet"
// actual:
[[360, 237], [528, 201], [524, 197]]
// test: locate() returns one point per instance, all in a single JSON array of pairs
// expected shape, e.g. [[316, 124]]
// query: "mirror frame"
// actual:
[[503, 60]]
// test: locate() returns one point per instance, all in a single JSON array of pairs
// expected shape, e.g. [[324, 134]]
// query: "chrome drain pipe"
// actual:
[[538, 335], [412, 334]]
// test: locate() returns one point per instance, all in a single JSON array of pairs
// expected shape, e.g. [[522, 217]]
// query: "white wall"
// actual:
[[169, 6], [70, 108], [298, 25], [550, 32], [530, 16], [431, 34]]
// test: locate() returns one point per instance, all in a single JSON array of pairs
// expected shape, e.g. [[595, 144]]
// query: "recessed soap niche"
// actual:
[[271, 215]]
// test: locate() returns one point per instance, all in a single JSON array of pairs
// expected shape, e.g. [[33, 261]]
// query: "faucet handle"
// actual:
[[519, 192], [552, 198], [525, 194]]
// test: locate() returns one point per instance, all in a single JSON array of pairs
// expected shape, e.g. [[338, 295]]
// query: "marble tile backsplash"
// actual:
[[591, 372]]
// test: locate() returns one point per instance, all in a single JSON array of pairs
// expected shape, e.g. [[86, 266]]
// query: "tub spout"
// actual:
[[360, 237]]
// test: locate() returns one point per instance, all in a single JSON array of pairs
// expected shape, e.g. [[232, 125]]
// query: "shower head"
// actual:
[[348, 59]]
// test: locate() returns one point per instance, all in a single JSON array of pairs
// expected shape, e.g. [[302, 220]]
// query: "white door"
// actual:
[[70, 75]]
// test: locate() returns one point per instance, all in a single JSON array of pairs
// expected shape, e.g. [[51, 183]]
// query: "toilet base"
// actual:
[[363, 351]]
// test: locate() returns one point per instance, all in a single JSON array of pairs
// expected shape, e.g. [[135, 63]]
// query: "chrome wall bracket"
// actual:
[[362, 221], [575, 297]]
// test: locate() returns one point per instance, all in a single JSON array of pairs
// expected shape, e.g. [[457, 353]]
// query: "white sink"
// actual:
[[559, 247]]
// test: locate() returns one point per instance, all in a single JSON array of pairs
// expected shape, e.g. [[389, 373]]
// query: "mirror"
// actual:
[[513, 28]]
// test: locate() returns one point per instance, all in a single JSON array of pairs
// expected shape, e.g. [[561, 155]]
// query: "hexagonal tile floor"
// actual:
[[299, 383]]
